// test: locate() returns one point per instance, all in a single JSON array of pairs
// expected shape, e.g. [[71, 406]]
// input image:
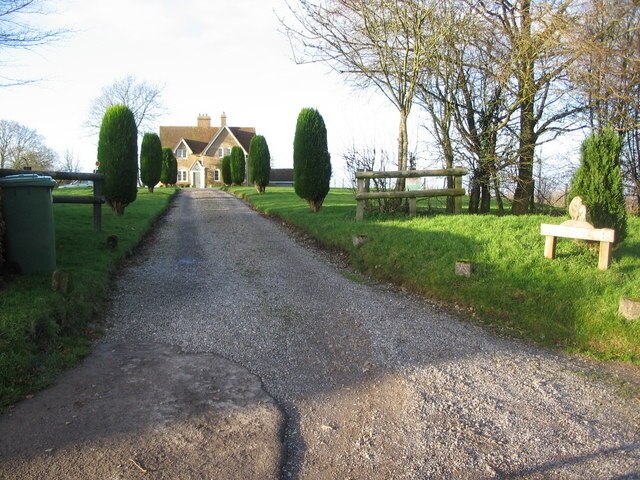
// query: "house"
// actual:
[[199, 149]]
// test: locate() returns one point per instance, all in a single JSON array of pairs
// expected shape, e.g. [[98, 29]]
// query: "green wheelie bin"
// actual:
[[27, 207]]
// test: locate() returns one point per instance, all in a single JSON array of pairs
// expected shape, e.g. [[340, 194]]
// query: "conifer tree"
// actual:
[[226, 170], [118, 157], [169, 174], [150, 160], [598, 181], [259, 163], [237, 166], [311, 159]]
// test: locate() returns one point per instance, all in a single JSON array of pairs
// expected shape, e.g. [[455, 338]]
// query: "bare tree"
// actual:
[[467, 103], [366, 159], [144, 99], [384, 44], [370, 159], [70, 162], [16, 33], [534, 36], [21, 146]]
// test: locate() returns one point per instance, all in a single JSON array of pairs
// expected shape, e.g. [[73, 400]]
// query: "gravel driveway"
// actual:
[[373, 383]]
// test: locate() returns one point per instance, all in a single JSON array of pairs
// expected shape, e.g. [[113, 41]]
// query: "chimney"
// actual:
[[223, 120], [204, 121]]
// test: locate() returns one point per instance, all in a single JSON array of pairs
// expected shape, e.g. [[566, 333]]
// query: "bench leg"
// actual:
[[550, 247], [604, 258], [412, 206]]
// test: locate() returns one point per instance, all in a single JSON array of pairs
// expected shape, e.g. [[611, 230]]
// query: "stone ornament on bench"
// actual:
[[579, 229]]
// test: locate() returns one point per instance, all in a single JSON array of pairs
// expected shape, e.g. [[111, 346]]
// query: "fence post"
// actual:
[[360, 203], [97, 207], [457, 204]]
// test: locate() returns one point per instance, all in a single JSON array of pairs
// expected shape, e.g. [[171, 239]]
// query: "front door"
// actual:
[[196, 180]]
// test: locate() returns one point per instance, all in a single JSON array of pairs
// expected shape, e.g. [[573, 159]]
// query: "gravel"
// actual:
[[374, 383]]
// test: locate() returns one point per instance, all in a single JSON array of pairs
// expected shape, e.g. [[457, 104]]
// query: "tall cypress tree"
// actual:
[[311, 159], [237, 166], [259, 163], [226, 170], [118, 157], [150, 160], [169, 174], [598, 181]]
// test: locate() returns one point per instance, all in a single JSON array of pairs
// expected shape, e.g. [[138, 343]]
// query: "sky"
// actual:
[[208, 56]]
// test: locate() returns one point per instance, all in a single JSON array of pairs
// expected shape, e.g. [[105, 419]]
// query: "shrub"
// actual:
[[150, 160], [237, 166], [311, 159], [226, 170], [259, 163], [169, 173], [118, 157], [598, 181]]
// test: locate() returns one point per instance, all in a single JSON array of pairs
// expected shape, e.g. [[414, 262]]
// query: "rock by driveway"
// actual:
[[372, 383]]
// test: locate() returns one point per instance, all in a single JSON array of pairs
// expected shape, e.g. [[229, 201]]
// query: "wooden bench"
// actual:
[[364, 177], [579, 229]]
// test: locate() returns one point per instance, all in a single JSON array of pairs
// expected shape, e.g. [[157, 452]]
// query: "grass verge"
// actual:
[[43, 332], [567, 303]]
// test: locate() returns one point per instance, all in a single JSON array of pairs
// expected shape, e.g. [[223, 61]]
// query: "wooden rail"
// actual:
[[363, 195], [97, 199]]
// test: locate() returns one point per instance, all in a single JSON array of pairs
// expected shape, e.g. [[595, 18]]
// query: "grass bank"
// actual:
[[567, 303], [42, 331]]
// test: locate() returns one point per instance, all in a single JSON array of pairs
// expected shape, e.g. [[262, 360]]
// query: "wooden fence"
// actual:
[[363, 195], [97, 199]]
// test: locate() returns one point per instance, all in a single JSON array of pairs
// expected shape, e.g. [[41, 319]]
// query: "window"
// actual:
[[220, 152], [216, 175], [228, 150], [182, 176], [181, 152]]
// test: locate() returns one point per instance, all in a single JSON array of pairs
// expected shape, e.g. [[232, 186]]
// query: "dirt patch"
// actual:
[[145, 409]]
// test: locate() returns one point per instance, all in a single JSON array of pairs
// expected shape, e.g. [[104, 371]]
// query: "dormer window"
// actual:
[[181, 152]]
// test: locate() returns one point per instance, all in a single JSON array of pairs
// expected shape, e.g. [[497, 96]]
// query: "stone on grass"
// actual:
[[629, 308], [464, 268]]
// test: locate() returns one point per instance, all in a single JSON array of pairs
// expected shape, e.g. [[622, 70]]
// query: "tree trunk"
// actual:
[[526, 97], [496, 187], [315, 205], [447, 149], [485, 196], [474, 194], [403, 148]]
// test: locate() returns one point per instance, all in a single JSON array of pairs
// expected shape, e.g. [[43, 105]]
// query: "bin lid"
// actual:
[[27, 180]]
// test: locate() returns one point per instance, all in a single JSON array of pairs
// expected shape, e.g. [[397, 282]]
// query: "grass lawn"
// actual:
[[566, 303], [42, 331]]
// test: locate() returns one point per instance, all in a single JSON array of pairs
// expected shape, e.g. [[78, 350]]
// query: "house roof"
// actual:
[[195, 145], [281, 175], [170, 136], [244, 136], [198, 138]]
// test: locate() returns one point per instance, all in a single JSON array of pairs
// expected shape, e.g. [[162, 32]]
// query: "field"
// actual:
[[42, 331], [567, 303]]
